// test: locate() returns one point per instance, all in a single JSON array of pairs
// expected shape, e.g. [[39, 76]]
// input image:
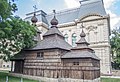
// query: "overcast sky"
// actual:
[[26, 6]]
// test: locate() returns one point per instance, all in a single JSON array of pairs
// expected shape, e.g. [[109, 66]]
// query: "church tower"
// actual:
[[96, 27]]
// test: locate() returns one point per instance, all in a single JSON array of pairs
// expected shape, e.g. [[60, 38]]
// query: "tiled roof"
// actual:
[[80, 54], [53, 38], [53, 31], [93, 7], [86, 8], [65, 16], [18, 56], [52, 42], [41, 17]]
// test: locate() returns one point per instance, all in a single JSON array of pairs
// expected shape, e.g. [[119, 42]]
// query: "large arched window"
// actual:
[[92, 34], [74, 37], [66, 37]]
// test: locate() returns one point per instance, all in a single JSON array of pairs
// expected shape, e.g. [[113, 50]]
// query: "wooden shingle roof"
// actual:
[[52, 39]]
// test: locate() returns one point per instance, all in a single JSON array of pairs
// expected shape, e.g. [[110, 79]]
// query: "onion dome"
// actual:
[[82, 43], [34, 19], [82, 34], [54, 21]]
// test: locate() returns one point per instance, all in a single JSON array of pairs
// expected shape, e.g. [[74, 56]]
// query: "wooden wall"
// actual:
[[52, 66]]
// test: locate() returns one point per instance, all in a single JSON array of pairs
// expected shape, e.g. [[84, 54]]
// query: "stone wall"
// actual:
[[116, 72]]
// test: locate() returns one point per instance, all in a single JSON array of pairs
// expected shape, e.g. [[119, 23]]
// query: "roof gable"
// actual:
[[52, 39], [95, 7], [52, 31], [91, 17]]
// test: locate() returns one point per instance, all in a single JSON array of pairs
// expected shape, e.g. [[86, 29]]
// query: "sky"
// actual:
[[112, 7]]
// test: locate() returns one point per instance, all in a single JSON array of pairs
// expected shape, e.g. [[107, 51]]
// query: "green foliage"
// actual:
[[115, 48], [6, 9], [110, 80], [15, 34]]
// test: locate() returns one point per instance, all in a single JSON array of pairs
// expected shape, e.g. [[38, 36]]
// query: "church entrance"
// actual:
[[19, 65]]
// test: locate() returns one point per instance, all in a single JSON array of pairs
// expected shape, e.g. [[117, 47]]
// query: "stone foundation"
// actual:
[[53, 79]]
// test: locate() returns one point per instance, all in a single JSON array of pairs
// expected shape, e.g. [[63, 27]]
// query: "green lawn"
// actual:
[[110, 80], [3, 75], [12, 79]]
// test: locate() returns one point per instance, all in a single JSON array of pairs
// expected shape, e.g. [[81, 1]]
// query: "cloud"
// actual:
[[107, 3], [72, 3], [75, 3], [114, 19], [37, 1]]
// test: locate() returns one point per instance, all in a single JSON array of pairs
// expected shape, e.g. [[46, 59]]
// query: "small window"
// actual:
[[74, 38], [75, 63], [40, 55], [66, 37], [7, 66], [3, 65]]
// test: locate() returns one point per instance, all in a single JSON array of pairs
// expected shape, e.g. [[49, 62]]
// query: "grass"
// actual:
[[12, 79], [3, 75], [110, 80]]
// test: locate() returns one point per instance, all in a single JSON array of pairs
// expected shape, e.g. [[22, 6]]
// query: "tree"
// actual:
[[15, 33], [6, 9], [115, 48]]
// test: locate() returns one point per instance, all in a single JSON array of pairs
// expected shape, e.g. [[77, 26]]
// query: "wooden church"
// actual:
[[53, 57]]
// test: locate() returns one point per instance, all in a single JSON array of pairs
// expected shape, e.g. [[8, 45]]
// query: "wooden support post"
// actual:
[[12, 66], [21, 79], [6, 78], [83, 76]]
